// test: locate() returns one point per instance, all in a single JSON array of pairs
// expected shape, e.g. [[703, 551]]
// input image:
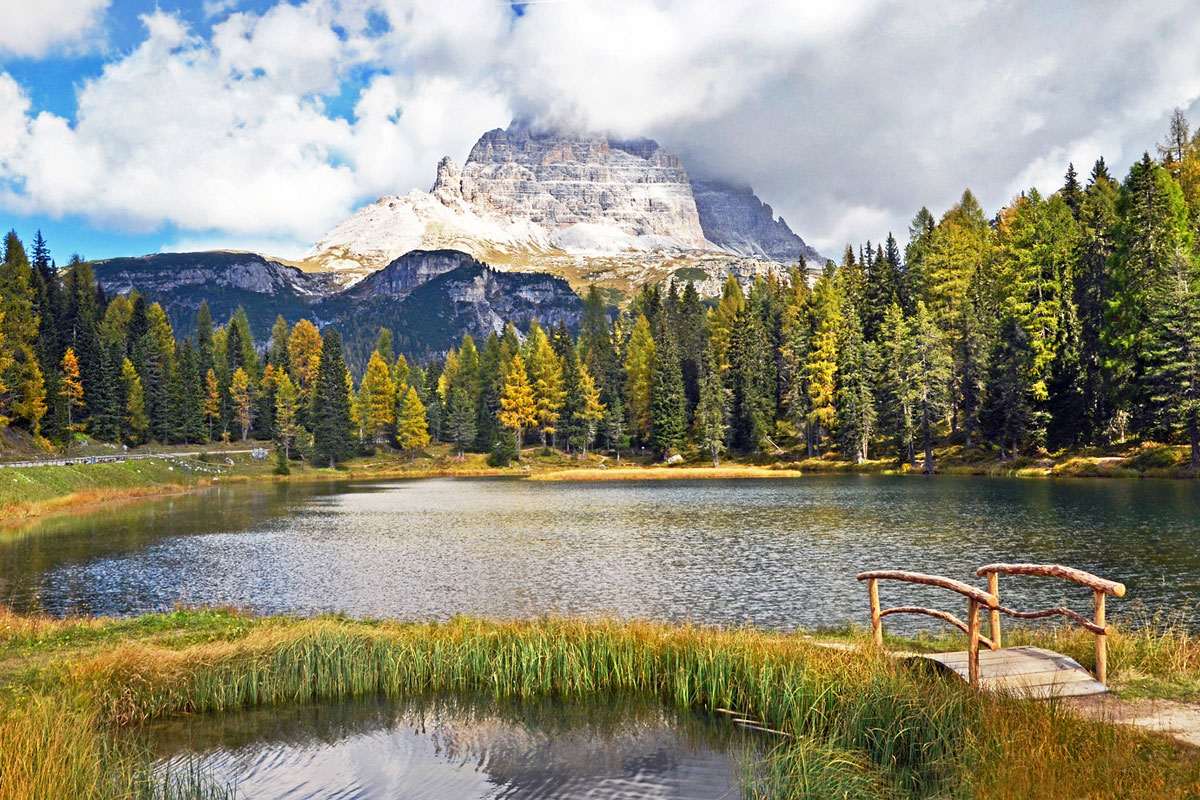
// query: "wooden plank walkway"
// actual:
[[1026, 671]]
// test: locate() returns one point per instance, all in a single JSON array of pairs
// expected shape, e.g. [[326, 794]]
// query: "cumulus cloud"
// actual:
[[845, 117], [32, 29]]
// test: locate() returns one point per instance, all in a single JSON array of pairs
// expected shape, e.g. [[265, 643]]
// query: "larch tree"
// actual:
[[5, 362], [287, 406], [70, 388], [212, 401], [590, 411], [241, 401], [546, 378], [821, 367], [518, 410], [136, 423], [639, 365], [412, 427], [380, 392]]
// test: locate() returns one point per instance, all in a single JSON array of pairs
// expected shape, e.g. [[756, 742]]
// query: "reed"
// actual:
[[858, 724]]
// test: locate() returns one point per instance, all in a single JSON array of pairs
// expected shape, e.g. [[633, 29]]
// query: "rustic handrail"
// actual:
[[1055, 571], [975, 598], [1101, 587], [965, 589]]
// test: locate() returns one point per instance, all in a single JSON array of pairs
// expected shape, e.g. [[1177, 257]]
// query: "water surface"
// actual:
[[778, 554], [436, 749]]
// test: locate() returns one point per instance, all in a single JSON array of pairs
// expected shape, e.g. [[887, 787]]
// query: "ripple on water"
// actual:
[[434, 749]]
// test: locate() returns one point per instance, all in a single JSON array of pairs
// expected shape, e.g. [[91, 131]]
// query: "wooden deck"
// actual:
[[1025, 671]]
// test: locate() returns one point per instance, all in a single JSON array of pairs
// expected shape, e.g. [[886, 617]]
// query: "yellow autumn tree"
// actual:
[[287, 404], [5, 362], [240, 400], [518, 411], [639, 368], [545, 375], [70, 387], [304, 357], [412, 428], [377, 398], [136, 421], [212, 401], [591, 410]]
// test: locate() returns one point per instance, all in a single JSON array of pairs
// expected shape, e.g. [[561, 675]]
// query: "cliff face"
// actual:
[[735, 219], [572, 205]]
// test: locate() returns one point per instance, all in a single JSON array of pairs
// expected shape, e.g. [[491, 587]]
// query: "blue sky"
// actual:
[[134, 126]]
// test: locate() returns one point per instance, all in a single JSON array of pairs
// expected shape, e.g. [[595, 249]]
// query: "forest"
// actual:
[[1060, 322]]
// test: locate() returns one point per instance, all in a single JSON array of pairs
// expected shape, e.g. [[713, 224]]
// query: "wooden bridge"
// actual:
[[1031, 671]]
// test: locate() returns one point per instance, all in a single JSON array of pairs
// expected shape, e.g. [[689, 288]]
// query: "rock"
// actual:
[[675, 458], [734, 218]]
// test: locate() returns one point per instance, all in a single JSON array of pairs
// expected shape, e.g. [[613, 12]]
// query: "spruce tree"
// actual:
[[277, 353], [1092, 292], [1173, 364], [460, 419], [330, 404], [751, 380], [1009, 416], [668, 410], [710, 426], [931, 367], [896, 384], [856, 412]]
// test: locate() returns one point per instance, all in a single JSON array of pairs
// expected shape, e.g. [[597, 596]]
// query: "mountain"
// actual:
[[589, 208], [180, 282], [428, 298], [462, 295]]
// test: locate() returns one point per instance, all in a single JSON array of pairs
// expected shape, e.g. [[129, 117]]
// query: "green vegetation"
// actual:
[[861, 725]]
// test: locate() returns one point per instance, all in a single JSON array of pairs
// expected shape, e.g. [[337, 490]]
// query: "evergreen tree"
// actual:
[[24, 400], [931, 366], [109, 396], [277, 354], [329, 409], [721, 322], [1091, 293], [204, 338], [751, 380], [1072, 192], [412, 426], [668, 410], [896, 384], [920, 239], [1173, 368], [190, 402], [492, 365], [615, 434], [1009, 415], [691, 336], [384, 345], [710, 428], [460, 418], [856, 413]]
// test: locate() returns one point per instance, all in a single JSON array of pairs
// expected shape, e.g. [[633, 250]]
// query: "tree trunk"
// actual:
[[928, 440]]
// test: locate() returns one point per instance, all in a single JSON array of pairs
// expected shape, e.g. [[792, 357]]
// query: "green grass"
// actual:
[[861, 725]]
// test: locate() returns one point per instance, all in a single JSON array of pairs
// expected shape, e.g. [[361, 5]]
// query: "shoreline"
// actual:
[[81, 489]]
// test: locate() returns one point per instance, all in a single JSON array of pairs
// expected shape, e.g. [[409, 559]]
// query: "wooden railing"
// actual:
[[1100, 589], [990, 599]]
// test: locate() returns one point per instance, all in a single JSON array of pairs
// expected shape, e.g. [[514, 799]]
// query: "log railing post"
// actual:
[[973, 642], [994, 591], [876, 619], [1101, 638]]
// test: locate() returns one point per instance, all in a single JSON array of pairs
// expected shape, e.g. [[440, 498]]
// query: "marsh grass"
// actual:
[[860, 724]]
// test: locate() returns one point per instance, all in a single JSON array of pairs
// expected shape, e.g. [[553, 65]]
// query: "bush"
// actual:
[[281, 463], [504, 452]]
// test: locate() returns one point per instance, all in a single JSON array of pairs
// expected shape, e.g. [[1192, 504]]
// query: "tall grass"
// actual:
[[859, 724]]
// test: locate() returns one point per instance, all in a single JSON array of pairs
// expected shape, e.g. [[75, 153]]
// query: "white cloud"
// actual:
[[215, 8], [845, 117], [32, 28]]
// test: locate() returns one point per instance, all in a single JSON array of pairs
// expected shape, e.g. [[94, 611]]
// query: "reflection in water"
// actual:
[[775, 553], [453, 748]]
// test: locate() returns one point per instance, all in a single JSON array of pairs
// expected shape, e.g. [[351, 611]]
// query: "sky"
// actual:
[[136, 126]]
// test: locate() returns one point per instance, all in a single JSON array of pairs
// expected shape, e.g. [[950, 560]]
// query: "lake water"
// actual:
[[779, 554], [435, 749]]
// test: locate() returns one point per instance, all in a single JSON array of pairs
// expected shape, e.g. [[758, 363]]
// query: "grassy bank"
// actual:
[[860, 725]]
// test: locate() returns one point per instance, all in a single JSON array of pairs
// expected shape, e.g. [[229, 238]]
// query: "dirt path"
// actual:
[[1178, 720]]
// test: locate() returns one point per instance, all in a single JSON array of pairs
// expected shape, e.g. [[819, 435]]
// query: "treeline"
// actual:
[[1062, 321]]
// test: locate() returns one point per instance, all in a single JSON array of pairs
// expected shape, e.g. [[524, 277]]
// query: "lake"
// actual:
[[778, 554], [460, 747]]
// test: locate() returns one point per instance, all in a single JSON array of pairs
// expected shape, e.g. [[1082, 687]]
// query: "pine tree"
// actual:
[[412, 427], [518, 410], [931, 366], [329, 408], [1173, 369], [1009, 416], [709, 427], [190, 403], [691, 336], [460, 418], [668, 411], [896, 383], [856, 413], [136, 423], [277, 354], [1091, 293], [920, 239], [109, 396], [70, 388], [1072, 192], [639, 360], [241, 400], [751, 380]]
